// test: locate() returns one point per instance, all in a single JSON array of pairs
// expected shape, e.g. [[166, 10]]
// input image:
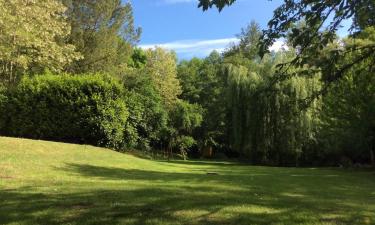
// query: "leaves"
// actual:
[[161, 66], [86, 109], [32, 38], [104, 33], [220, 4]]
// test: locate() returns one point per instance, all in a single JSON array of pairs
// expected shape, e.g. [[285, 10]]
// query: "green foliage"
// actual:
[[185, 116], [190, 76], [248, 46], [184, 143], [349, 116], [261, 105], [161, 66], [86, 109], [266, 122], [147, 114], [153, 90], [32, 38], [203, 83], [248, 109], [321, 20], [103, 32], [138, 59], [269, 127], [245, 111], [183, 119], [220, 4]]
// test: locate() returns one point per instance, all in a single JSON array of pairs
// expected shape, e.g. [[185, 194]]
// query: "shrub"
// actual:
[[86, 109], [184, 143]]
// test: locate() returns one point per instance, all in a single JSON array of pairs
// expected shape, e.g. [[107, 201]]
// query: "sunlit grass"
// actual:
[[55, 183]]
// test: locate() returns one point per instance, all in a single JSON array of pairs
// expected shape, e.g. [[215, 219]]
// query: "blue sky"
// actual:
[[181, 26]]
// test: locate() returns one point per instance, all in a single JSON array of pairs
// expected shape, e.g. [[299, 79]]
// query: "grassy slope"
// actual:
[[54, 183]]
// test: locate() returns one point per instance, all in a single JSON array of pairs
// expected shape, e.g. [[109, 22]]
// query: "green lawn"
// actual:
[[54, 183]]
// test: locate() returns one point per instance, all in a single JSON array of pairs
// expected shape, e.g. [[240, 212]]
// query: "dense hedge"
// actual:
[[83, 109]]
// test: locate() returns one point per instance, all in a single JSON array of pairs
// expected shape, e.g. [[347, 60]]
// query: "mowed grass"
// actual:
[[54, 183]]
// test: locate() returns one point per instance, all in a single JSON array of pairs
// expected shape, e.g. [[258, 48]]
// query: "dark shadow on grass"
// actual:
[[225, 174], [205, 163], [120, 207], [149, 198], [232, 172]]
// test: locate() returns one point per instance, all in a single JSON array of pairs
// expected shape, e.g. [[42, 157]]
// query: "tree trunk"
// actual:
[[207, 152], [11, 79]]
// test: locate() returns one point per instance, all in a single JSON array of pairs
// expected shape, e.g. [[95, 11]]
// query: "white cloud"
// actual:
[[177, 1], [190, 48], [279, 45], [202, 48], [184, 1]]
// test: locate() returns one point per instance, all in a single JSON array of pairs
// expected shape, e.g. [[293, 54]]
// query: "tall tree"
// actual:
[[103, 31], [249, 39], [189, 74], [31, 38], [148, 116], [269, 127], [349, 114], [183, 119], [265, 122], [203, 83], [322, 19], [161, 66]]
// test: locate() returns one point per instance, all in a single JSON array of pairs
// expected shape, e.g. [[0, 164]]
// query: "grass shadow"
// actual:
[[109, 195]]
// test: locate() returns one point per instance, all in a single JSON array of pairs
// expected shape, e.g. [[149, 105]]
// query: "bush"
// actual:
[[86, 109], [184, 143]]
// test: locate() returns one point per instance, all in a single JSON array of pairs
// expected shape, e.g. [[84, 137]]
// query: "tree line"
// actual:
[[72, 71]]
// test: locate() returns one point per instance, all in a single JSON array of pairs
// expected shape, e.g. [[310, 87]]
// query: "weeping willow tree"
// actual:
[[269, 125]]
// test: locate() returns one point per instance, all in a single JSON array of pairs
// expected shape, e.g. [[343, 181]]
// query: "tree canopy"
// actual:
[[103, 32], [33, 35], [321, 20]]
